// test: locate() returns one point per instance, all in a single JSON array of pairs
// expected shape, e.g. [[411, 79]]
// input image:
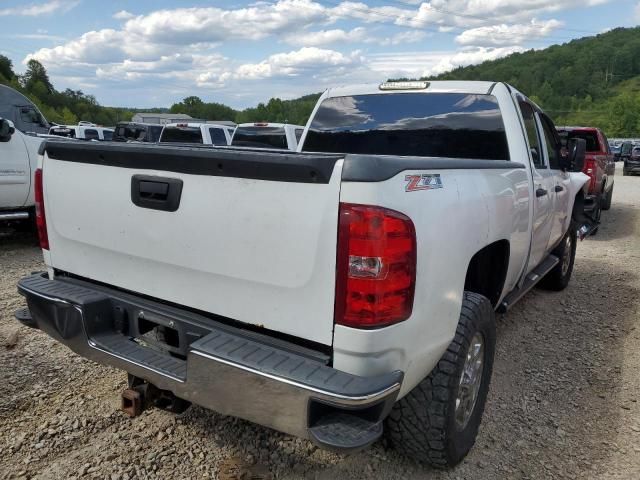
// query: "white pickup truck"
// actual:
[[325, 295], [18, 162], [21, 122]]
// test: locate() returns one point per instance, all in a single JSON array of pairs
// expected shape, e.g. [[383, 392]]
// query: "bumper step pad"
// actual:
[[122, 346], [343, 432]]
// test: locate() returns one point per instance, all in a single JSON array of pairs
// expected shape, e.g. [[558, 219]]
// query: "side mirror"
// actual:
[[6, 130], [577, 148]]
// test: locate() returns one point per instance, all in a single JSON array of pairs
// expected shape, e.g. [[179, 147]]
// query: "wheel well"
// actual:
[[487, 271], [578, 209]]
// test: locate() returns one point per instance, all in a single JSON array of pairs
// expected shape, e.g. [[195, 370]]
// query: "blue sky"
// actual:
[[154, 53]]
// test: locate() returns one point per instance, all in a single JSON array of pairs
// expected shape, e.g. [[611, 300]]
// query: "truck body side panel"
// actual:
[[472, 209]]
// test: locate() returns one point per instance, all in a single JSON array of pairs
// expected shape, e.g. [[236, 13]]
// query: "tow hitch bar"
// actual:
[[132, 402], [141, 394]]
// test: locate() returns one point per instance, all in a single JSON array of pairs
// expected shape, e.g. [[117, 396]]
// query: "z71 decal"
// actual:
[[426, 181]]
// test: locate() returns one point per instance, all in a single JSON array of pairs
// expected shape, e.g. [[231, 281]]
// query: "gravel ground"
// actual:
[[564, 402]]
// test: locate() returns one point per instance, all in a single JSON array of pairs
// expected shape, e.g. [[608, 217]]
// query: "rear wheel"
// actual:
[[438, 421], [558, 278]]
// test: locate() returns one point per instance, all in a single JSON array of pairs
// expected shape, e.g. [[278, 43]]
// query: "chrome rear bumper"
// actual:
[[227, 369]]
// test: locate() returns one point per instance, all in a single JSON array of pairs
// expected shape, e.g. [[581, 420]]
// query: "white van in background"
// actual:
[[267, 135], [83, 131], [204, 133]]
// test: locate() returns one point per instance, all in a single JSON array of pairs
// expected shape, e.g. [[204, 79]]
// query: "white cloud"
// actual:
[[123, 15], [326, 37], [309, 60], [37, 9], [469, 57], [403, 38], [420, 64], [507, 34]]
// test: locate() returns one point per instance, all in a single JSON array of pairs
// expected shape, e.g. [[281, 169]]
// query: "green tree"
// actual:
[[68, 118], [36, 73], [6, 68]]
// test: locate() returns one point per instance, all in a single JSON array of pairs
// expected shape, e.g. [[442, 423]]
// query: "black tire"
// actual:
[[558, 278], [606, 205], [423, 425]]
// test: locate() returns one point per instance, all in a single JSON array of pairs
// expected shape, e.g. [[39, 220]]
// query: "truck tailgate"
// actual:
[[252, 238]]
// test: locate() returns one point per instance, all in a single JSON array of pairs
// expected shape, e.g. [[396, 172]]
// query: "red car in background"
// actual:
[[599, 164]]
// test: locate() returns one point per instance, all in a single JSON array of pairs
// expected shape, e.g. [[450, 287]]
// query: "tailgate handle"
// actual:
[[156, 193]]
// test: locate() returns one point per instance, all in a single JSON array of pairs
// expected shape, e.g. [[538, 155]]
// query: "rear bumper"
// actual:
[[232, 371]]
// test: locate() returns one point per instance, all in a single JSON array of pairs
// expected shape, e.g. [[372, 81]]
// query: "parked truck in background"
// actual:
[[599, 165], [202, 133], [267, 135], [20, 123], [137, 132], [325, 293], [83, 131]]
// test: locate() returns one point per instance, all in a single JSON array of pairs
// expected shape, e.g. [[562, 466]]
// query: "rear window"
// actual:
[[453, 125], [63, 132], [108, 135], [181, 135], [131, 132], [153, 133], [91, 135], [262, 137], [217, 136], [590, 137]]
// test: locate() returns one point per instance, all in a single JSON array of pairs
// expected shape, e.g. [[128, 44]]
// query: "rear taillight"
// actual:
[[376, 266], [41, 220]]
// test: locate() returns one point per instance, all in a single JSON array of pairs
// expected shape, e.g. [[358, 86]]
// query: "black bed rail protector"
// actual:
[[377, 168], [281, 166]]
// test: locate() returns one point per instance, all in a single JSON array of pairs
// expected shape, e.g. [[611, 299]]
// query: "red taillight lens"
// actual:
[[376, 266], [41, 220], [590, 169]]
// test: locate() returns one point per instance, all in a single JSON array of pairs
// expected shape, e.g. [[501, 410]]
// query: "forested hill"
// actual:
[[592, 81]]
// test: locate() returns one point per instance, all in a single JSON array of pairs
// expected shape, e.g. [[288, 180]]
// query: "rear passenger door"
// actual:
[[543, 185], [560, 186]]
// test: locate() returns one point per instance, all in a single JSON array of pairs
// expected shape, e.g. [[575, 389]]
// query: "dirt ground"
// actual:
[[564, 401]]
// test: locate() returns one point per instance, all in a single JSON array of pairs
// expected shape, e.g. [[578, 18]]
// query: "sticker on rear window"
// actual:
[[427, 181]]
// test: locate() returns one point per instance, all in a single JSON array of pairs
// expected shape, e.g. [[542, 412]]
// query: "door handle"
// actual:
[[156, 193], [153, 190], [558, 188], [541, 192]]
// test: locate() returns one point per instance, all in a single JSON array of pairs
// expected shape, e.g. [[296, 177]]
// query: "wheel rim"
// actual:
[[470, 381], [566, 255]]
